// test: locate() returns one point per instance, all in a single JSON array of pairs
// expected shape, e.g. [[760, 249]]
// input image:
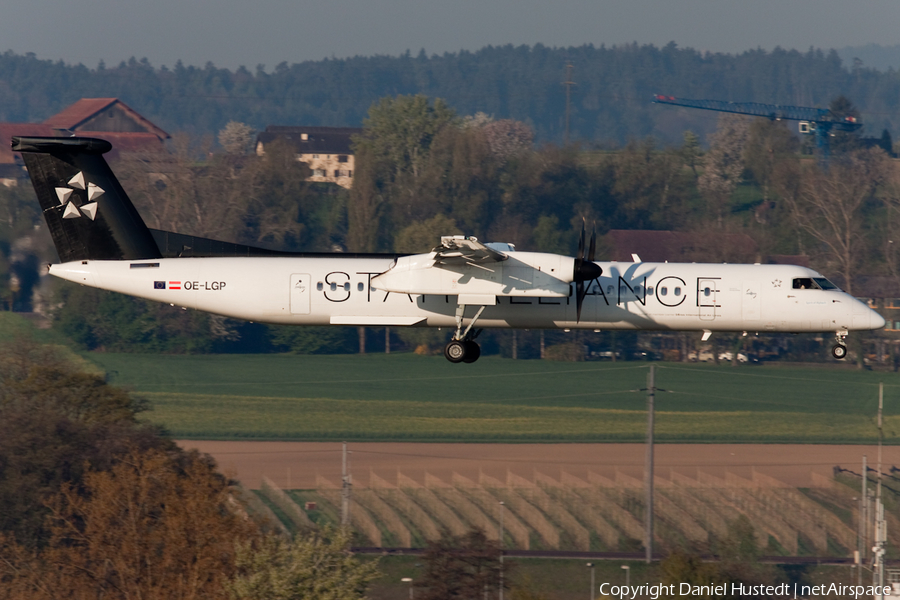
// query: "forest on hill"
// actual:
[[611, 98]]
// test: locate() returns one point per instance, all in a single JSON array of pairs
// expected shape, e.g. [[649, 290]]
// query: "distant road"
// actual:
[[308, 465]]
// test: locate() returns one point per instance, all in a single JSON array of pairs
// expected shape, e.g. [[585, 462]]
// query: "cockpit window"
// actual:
[[825, 284], [813, 283]]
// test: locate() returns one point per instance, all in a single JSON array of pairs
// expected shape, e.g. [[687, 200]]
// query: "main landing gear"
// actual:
[[839, 350], [462, 347]]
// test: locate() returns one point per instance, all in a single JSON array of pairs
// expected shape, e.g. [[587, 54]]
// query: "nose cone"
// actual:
[[586, 270], [876, 321]]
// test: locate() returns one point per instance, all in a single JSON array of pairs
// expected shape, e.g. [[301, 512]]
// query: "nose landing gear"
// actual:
[[839, 350]]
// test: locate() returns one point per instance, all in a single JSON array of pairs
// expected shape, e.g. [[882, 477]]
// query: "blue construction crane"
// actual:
[[813, 121]]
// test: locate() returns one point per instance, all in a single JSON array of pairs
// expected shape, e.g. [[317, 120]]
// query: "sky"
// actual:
[[231, 33]]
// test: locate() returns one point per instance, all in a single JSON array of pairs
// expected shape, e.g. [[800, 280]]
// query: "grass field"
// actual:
[[414, 398]]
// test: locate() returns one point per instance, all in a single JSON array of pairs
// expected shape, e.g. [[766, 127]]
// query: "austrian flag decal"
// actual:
[[174, 285]]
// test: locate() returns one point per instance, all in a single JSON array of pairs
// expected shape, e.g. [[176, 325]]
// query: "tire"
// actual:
[[473, 351], [839, 351], [455, 351]]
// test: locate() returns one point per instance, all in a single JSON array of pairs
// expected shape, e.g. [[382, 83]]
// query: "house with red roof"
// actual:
[[106, 118]]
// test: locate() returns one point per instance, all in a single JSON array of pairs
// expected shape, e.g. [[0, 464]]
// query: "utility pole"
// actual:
[[648, 468], [345, 490], [880, 523], [568, 83], [387, 340], [501, 548], [863, 520]]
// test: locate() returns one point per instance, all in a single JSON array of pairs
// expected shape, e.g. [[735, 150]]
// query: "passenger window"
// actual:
[[319, 286], [360, 286], [637, 289], [663, 291], [678, 291], [333, 287], [610, 290], [706, 292], [347, 287]]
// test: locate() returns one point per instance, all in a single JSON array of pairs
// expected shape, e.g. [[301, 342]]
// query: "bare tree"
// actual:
[[828, 202]]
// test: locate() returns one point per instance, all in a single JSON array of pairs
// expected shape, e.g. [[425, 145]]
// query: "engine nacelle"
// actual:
[[534, 274]]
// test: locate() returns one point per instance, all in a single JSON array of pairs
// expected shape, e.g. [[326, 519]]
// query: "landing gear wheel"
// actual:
[[839, 351], [455, 351], [473, 351]]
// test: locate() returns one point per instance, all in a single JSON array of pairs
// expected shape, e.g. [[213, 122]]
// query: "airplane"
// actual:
[[462, 284]]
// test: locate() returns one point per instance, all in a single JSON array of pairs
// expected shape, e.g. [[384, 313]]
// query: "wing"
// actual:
[[465, 249]]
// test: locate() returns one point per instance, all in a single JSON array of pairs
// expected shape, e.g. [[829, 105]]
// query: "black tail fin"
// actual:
[[87, 211]]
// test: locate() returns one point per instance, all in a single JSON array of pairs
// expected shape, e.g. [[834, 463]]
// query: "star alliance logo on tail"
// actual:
[[88, 207]]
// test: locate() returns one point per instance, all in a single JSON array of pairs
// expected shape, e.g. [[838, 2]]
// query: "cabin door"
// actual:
[[707, 298]]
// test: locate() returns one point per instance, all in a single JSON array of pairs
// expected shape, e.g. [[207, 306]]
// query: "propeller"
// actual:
[[585, 269]]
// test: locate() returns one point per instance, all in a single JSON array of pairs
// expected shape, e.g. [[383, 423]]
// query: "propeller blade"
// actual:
[[580, 293], [580, 255], [593, 246]]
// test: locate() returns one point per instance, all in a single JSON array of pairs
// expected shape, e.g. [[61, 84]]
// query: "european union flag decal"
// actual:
[[159, 285]]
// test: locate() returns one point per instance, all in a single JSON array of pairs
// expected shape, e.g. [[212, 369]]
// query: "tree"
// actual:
[[56, 423], [365, 208], [738, 563], [770, 153], [319, 566], [650, 187], [723, 164], [236, 138], [691, 152], [507, 138], [392, 155], [155, 525], [423, 236], [461, 567], [841, 142], [311, 340], [828, 205], [547, 236]]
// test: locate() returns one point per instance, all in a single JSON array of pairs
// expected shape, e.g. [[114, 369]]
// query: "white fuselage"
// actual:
[[338, 291]]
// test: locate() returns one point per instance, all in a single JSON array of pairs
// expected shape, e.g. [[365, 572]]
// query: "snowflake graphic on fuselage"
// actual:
[[87, 208]]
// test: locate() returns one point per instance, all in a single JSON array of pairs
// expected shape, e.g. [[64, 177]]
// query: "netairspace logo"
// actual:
[[656, 591]]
